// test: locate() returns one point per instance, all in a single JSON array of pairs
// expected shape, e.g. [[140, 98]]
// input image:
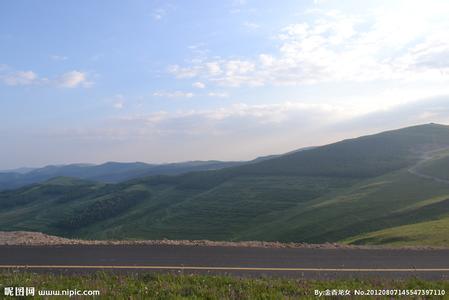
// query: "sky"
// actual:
[[166, 81]]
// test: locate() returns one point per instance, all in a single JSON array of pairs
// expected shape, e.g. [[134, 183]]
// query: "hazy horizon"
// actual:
[[185, 161], [167, 81]]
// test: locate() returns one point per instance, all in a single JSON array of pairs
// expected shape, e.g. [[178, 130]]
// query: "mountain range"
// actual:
[[387, 188], [110, 172]]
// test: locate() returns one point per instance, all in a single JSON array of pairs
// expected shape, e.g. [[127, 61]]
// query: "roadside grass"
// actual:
[[194, 286], [430, 233]]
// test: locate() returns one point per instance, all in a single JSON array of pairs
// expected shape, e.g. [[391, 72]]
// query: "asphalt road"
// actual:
[[309, 263]]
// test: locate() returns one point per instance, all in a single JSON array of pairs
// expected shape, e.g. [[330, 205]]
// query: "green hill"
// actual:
[[331, 193], [438, 167], [110, 172], [431, 233]]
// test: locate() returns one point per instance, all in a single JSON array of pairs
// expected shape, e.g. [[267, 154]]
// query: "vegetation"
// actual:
[[62, 189], [431, 233], [110, 172], [382, 202], [366, 156], [102, 209], [339, 192], [437, 167], [188, 286]]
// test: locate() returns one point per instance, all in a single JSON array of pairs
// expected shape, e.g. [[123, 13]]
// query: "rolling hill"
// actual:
[[110, 172], [361, 190]]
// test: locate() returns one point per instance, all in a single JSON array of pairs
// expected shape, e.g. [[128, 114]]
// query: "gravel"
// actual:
[[27, 238]]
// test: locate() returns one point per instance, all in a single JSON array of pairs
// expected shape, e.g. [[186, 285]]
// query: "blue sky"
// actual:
[[163, 81]]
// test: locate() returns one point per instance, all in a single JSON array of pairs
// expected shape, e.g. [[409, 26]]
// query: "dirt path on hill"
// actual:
[[426, 157]]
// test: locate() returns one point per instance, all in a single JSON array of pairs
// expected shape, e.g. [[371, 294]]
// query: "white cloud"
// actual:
[[253, 130], [426, 110], [118, 101], [19, 78], [199, 50], [181, 72], [184, 94], [432, 53], [199, 85], [158, 14], [237, 113], [73, 79], [251, 25], [58, 57], [407, 41], [240, 2], [213, 68], [118, 105], [70, 79], [267, 122], [218, 94], [173, 94], [266, 60]]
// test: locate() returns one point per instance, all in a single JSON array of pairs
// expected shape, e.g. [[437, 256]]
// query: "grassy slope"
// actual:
[[362, 157], [188, 286], [431, 233], [220, 213], [386, 201], [45, 203], [325, 194], [438, 167], [111, 172]]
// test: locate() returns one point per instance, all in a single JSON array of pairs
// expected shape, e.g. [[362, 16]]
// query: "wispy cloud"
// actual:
[[173, 94], [229, 119], [118, 101], [58, 57], [251, 25], [253, 130], [402, 43], [19, 78], [435, 109], [187, 72], [118, 105], [71, 79], [238, 6], [315, 123], [159, 14], [239, 2], [74, 79], [218, 94], [199, 85]]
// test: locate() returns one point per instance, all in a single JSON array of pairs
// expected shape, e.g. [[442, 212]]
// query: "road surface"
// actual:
[[292, 262]]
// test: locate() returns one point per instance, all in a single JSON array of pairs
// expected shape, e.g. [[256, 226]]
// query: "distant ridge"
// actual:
[[361, 190], [114, 172], [109, 172]]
